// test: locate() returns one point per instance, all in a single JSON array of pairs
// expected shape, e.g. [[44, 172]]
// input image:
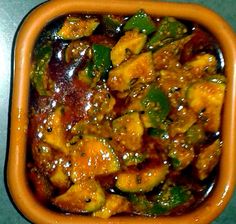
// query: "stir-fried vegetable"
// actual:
[[131, 43], [114, 204], [138, 69], [141, 181], [39, 77], [91, 157], [92, 198], [168, 30], [206, 99], [141, 21], [75, 28], [156, 106], [125, 115]]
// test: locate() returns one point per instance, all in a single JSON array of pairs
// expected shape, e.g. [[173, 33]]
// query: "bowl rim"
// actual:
[[30, 29]]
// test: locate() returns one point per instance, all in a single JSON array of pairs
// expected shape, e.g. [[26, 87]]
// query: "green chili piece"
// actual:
[[156, 105], [157, 132], [179, 195], [169, 199], [101, 59], [141, 21], [38, 76], [139, 202], [168, 30], [175, 162]]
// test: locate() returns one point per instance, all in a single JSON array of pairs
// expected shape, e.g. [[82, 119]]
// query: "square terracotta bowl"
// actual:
[[27, 36]]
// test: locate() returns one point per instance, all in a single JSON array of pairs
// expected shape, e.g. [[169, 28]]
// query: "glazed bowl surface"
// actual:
[[27, 36]]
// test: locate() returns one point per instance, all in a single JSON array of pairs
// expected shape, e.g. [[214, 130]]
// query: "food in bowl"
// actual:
[[124, 115]]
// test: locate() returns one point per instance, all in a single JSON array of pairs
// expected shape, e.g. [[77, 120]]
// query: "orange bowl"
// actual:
[[27, 36]]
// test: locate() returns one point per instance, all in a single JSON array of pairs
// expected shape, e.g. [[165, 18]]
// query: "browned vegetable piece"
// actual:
[[132, 41], [59, 178], [195, 134], [185, 119], [174, 82], [114, 204], [102, 103], [85, 196], [77, 27], [41, 186], [206, 99], [92, 156], [77, 49], [168, 56], [42, 154], [54, 133], [181, 154], [202, 65], [128, 130], [138, 68], [141, 181], [208, 159]]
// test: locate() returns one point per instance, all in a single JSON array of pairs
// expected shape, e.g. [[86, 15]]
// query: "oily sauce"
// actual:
[[124, 119]]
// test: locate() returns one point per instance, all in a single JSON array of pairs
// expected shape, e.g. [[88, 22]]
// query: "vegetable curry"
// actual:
[[124, 115]]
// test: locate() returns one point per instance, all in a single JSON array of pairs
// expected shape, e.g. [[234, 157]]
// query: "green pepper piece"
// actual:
[[141, 21], [157, 132], [38, 76], [101, 59], [89, 70], [156, 105], [169, 30], [179, 195], [139, 202], [157, 209], [169, 199], [142, 205], [175, 162]]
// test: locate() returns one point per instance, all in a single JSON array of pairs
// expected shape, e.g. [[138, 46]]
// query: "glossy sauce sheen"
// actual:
[[124, 118]]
